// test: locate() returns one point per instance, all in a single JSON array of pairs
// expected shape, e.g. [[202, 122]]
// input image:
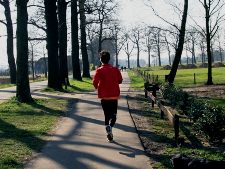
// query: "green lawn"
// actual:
[[185, 77], [24, 127], [75, 86]]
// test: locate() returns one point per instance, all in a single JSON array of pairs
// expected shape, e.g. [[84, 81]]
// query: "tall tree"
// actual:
[[52, 44], [213, 18], [127, 50], [136, 38], [63, 67], [23, 88], [9, 27], [118, 42], [180, 44], [75, 41], [86, 68]]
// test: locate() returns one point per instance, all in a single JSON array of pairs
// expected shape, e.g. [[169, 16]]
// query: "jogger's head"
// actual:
[[104, 56]]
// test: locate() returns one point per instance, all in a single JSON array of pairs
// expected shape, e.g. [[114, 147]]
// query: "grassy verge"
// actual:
[[159, 135], [6, 85], [136, 81], [31, 81], [25, 126], [75, 86]]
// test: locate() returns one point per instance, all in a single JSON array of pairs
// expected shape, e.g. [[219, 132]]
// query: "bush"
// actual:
[[177, 97], [207, 118], [211, 122]]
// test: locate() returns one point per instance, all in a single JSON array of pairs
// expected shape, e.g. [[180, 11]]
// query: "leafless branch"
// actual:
[[38, 6], [162, 17], [32, 22], [1, 21]]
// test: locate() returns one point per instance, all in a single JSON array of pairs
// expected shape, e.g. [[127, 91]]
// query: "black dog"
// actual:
[[180, 161]]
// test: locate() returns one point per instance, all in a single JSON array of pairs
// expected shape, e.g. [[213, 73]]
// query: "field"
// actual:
[[185, 77]]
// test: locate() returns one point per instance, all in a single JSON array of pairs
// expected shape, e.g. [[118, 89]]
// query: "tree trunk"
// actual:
[[180, 45], [86, 68], [23, 88], [158, 48], [75, 41], [63, 67], [149, 57], [138, 55], [209, 80], [9, 27], [100, 37], [52, 44]]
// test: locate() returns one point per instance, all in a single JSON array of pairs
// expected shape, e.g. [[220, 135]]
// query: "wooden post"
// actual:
[[153, 93], [162, 113], [194, 79], [176, 127]]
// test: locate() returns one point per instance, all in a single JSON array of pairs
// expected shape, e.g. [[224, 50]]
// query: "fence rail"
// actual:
[[174, 119]]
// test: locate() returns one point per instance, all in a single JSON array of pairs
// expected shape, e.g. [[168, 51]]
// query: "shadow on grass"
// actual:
[[10, 131]]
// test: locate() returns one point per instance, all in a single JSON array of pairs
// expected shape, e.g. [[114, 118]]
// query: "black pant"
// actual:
[[110, 111]]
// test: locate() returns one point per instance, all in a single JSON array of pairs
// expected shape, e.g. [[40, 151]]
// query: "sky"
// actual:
[[132, 13]]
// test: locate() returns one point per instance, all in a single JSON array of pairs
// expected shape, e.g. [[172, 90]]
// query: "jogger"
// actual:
[[107, 79]]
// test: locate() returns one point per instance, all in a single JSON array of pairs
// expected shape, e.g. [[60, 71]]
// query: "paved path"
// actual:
[[80, 141]]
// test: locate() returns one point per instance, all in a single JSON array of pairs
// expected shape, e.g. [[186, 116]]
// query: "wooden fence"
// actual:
[[174, 119]]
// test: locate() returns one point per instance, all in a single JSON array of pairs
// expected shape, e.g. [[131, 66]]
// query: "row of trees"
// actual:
[[98, 29], [50, 20]]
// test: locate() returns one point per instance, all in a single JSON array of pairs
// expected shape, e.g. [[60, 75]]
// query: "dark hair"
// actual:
[[104, 56]]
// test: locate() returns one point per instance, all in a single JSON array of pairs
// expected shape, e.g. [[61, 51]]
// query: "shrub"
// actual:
[[211, 122], [207, 118], [177, 97]]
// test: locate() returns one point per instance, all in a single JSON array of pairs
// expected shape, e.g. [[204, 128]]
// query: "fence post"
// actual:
[[176, 127], [153, 93], [194, 79], [146, 91], [166, 78], [162, 113]]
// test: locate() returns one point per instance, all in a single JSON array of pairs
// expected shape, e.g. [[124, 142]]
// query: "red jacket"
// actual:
[[107, 79]]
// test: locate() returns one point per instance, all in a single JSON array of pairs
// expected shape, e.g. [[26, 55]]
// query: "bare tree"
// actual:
[[212, 12], [127, 48], [75, 41], [63, 67], [180, 44], [9, 27], [86, 72], [149, 43], [192, 36], [52, 44], [119, 41], [136, 38], [23, 88], [102, 12]]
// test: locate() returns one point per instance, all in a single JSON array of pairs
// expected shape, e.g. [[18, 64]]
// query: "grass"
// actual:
[[162, 133], [136, 81], [75, 86], [185, 77], [31, 81], [6, 85], [24, 127]]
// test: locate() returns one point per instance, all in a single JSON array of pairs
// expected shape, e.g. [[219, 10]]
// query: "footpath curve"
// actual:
[[80, 141]]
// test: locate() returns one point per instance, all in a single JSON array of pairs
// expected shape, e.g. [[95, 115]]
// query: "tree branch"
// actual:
[[162, 17], [1, 21], [38, 39], [38, 6], [31, 22]]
